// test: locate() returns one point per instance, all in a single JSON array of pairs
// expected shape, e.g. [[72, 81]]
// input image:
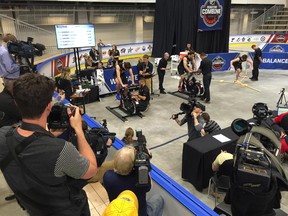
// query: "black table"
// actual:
[[199, 154]]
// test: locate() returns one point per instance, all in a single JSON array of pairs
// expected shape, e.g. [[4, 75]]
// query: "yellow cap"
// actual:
[[126, 204]]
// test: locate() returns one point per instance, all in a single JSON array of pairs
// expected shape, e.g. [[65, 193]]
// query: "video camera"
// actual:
[[255, 172], [187, 108], [97, 139], [142, 160], [26, 50], [260, 112]]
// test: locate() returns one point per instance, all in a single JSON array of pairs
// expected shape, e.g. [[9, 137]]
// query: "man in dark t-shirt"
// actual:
[[256, 62], [143, 97], [206, 69], [162, 67]]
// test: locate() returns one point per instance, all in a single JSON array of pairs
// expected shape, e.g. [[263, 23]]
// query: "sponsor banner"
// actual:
[[211, 15], [108, 85], [273, 60], [221, 61], [275, 48], [129, 49], [279, 38], [51, 67], [235, 39]]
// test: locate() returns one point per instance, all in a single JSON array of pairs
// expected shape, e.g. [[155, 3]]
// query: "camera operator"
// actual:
[[9, 69], [143, 97], [194, 121], [124, 177], [184, 67], [39, 174], [8, 105]]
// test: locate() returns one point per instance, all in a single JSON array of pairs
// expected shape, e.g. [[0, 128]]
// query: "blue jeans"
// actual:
[[155, 205]]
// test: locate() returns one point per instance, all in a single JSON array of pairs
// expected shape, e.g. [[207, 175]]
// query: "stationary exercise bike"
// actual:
[[128, 105], [192, 86], [127, 102]]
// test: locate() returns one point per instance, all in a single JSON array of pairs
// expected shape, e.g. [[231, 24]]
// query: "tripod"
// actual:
[[282, 100]]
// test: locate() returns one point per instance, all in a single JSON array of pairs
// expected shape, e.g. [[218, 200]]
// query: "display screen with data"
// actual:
[[75, 36]]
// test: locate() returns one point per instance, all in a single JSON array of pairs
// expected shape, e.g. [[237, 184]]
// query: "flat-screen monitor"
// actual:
[[75, 36], [281, 110]]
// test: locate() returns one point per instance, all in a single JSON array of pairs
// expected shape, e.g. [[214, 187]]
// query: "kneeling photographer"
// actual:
[[193, 118], [36, 165], [131, 172]]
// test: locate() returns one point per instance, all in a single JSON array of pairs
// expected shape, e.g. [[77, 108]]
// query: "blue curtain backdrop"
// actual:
[[176, 24]]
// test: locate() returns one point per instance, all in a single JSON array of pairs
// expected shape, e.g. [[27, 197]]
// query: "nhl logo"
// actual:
[[280, 38], [211, 12], [218, 62]]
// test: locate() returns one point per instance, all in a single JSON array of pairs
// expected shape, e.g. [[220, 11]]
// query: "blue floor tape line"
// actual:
[[170, 141]]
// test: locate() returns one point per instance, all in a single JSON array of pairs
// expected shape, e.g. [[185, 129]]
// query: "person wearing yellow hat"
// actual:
[[126, 204], [124, 177]]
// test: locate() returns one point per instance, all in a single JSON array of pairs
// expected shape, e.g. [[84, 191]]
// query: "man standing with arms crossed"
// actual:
[[206, 69], [161, 69], [256, 63]]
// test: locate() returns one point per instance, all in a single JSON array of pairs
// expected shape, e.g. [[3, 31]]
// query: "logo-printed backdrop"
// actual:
[[211, 15]]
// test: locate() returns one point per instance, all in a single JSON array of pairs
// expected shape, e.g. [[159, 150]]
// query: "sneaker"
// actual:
[[163, 92], [118, 96], [251, 78]]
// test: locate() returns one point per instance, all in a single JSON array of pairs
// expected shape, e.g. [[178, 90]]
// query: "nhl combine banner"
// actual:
[[210, 15]]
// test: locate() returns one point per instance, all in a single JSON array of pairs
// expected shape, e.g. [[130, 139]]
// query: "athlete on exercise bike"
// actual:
[[120, 75], [184, 68]]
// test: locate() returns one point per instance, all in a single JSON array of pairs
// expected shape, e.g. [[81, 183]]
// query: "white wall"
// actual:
[[148, 32]]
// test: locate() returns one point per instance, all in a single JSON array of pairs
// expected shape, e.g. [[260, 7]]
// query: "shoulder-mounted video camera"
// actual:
[[97, 139], [187, 108], [142, 160], [26, 49]]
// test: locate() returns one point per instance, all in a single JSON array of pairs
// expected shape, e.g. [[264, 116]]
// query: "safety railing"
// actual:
[[23, 30], [262, 18]]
